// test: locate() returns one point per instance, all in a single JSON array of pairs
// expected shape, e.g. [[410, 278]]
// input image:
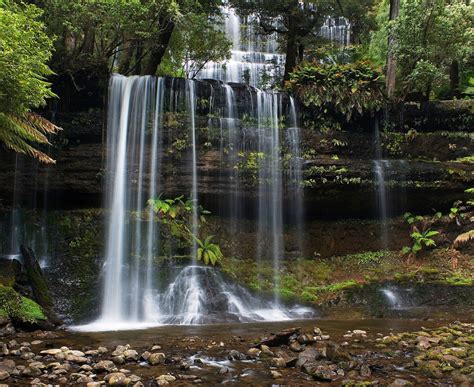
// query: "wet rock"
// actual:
[[223, 370], [305, 339], [276, 374], [119, 359], [184, 365], [131, 354], [453, 361], [117, 379], [156, 348], [166, 378], [92, 352], [27, 355], [120, 349], [31, 371], [102, 350], [4, 375], [400, 382], [280, 338], [335, 353], [365, 371], [4, 349], [317, 331], [93, 384], [254, 352], [86, 367], [309, 355], [296, 347], [104, 365], [7, 365], [236, 355], [145, 355], [156, 358], [266, 350], [323, 373], [278, 362], [77, 359], [76, 353]]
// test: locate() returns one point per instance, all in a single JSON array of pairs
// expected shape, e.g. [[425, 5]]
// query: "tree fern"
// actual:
[[23, 133]]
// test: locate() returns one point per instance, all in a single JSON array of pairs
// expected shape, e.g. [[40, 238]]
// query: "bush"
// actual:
[[345, 89]]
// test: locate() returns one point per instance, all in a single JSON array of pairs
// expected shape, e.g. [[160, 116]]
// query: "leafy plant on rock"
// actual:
[[345, 89], [421, 234], [174, 215], [208, 252]]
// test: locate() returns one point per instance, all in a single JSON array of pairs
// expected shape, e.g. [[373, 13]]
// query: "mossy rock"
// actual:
[[19, 308]]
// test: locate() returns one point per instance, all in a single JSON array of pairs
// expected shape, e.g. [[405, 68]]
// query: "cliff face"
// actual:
[[425, 168]]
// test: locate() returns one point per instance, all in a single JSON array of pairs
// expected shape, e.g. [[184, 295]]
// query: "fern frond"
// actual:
[[463, 238], [20, 133]]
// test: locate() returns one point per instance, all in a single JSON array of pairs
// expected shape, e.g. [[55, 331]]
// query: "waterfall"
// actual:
[[336, 30], [379, 167], [254, 60], [296, 175]]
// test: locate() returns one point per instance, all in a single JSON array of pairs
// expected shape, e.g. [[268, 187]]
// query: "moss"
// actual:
[[458, 280], [17, 307]]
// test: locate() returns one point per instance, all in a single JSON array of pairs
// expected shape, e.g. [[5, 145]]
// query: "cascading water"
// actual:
[[253, 59], [185, 294], [336, 30], [133, 296]]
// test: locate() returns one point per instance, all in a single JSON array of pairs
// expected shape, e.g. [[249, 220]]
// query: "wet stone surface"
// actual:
[[247, 354]]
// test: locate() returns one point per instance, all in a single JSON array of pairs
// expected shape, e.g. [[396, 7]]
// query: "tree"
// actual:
[[391, 59], [99, 34], [195, 42], [293, 20], [434, 43], [24, 52]]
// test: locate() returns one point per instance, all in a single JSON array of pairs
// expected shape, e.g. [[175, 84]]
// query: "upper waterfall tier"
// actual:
[[256, 59]]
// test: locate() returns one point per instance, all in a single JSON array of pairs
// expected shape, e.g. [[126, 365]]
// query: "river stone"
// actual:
[[275, 374], [102, 350], [400, 382], [266, 350], [117, 379], [93, 384], [365, 371], [296, 347], [156, 348], [156, 358], [236, 355], [305, 339], [278, 362], [104, 365], [145, 355], [453, 361], [77, 359], [131, 354], [4, 375], [31, 371], [120, 350], [309, 355], [323, 373], [335, 353], [92, 352], [7, 365], [168, 378], [317, 331], [253, 352]]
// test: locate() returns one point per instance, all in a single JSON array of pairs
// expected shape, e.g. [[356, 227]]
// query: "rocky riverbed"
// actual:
[[378, 352]]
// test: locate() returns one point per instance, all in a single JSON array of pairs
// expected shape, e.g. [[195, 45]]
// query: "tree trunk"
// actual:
[[159, 49], [38, 284], [391, 60], [291, 46], [454, 78], [126, 57]]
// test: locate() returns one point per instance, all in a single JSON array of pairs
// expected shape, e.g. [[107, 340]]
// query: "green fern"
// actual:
[[24, 133]]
